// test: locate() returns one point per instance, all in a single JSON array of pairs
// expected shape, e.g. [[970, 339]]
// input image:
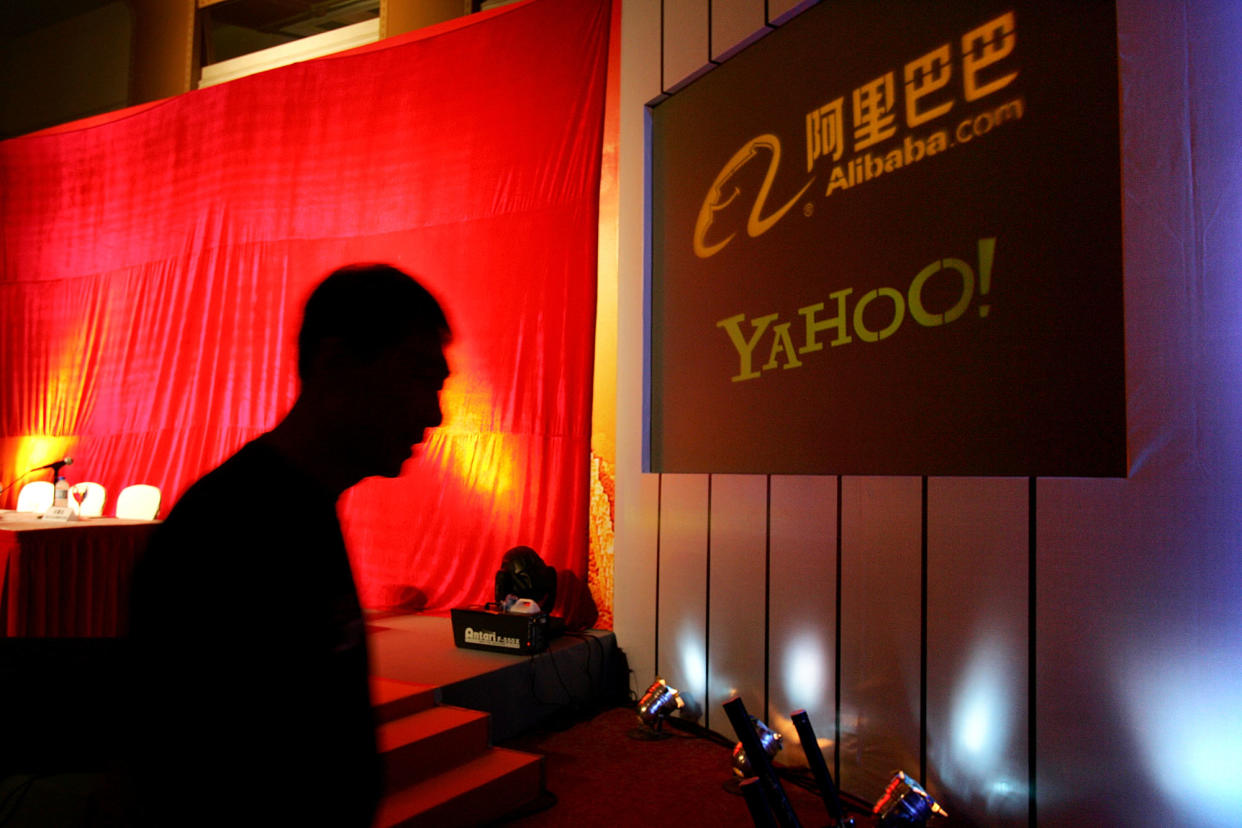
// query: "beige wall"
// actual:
[[400, 16]]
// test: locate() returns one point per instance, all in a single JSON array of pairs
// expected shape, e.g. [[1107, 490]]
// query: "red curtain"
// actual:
[[153, 269]]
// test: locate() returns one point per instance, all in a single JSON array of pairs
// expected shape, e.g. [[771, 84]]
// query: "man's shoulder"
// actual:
[[204, 527], [243, 469], [233, 487]]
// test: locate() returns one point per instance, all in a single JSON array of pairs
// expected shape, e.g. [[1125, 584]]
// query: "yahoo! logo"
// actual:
[[756, 224]]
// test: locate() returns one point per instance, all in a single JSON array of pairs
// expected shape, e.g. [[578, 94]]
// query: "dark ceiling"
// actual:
[[19, 17], [290, 18]]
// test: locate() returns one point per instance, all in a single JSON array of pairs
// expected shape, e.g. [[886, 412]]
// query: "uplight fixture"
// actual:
[[769, 740], [657, 704], [904, 802]]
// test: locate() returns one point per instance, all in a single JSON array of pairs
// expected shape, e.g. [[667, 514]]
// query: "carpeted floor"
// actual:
[[599, 775], [596, 773]]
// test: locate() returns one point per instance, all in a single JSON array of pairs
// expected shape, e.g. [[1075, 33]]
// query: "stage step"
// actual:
[[474, 793], [416, 747], [393, 699], [439, 766]]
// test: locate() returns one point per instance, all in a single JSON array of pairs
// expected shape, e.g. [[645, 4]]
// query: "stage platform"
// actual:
[[579, 670], [56, 717]]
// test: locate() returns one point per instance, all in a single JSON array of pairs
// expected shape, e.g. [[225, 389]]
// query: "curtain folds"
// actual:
[[153, 268]]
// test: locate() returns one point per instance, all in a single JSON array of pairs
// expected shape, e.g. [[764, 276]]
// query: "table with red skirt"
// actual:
[[67, 578]]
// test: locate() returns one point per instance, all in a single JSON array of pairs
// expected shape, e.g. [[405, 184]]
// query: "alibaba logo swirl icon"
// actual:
[[757, 224]]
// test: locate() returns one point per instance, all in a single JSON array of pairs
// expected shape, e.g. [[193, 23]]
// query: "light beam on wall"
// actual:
[[693, 668], [981, 732], [981, 711], [1183, 703], [804, 671]]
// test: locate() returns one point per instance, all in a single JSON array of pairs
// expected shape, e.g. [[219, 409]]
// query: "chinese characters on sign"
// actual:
[[928, 94]]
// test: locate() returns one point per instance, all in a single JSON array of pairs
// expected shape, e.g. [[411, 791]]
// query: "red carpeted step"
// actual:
[[483, 789], [393, 699], [418, 746]]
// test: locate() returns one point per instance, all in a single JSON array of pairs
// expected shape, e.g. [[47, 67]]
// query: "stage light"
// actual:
[[769, 740], [657, 703], [523, 574], [905, 803]]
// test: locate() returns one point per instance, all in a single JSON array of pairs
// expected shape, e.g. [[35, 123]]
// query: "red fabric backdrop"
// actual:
[[153, 268]]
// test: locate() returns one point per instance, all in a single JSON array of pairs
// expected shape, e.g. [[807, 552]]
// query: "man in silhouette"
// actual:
[[247, 639]]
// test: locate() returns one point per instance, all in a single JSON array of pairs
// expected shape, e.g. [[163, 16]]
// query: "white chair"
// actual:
[[36, 497], [93, 499], [138, 502]]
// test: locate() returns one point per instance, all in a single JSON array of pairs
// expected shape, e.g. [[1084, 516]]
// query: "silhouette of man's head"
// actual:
[[371, 360]]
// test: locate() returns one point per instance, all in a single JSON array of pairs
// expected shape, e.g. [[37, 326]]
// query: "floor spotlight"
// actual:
[[905, 803], [657, 704], [769, 740]]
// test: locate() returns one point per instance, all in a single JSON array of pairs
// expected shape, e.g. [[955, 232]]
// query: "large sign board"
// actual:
[[886, 239]]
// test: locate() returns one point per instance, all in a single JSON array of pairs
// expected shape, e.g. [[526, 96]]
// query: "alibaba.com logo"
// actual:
[[757, 224]]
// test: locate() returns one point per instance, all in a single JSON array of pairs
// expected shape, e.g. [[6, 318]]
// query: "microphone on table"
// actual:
[[68, 461]]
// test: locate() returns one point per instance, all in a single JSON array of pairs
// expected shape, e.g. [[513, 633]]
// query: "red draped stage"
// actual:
[[153, 268]]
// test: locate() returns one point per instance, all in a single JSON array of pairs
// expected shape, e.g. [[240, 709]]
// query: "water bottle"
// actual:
[[61, 497]]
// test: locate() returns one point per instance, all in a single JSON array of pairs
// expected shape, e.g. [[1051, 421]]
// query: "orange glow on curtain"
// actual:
[[468, 412], [68, 378], [30, 452], [481, 465], [54, 416]]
